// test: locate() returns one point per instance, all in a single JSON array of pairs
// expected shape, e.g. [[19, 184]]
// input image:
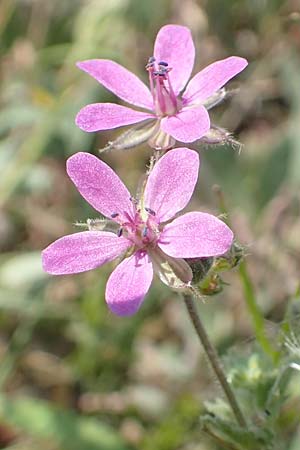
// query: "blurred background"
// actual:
[[72, 375]]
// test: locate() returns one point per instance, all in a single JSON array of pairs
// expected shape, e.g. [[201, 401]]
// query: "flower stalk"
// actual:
[[213, 359]]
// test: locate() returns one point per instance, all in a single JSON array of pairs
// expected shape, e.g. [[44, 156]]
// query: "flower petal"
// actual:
[[188, 125], [83, 251], [196, 235], [118, 80], [128, 284], [174, 45], [105, 116], [171, 183], [212, 78], [100, 186]]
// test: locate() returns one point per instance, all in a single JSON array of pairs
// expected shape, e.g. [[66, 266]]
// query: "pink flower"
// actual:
[[171, 116], [146, 233]]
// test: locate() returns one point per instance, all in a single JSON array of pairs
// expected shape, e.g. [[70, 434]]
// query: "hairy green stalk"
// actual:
[[213, 359]]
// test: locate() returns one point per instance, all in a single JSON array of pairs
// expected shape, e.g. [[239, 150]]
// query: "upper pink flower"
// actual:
[[175, 116], [146, 234]]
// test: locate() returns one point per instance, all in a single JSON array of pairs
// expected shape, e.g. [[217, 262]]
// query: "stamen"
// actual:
[[120, 232], [150, 211], [150, 67], [114, 215], [133, 200], [150, 62], [145, 231], [160, 97], [172, 93], [129, 218], [164, 98], [161, 72]]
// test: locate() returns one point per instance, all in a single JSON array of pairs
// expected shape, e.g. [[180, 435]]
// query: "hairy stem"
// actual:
[[213, 358]]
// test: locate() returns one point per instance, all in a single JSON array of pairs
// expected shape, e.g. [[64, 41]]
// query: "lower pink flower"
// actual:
[[146, 236]]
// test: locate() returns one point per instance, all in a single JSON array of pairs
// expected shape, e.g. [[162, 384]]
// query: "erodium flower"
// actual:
[[146, 235], [170, 116]]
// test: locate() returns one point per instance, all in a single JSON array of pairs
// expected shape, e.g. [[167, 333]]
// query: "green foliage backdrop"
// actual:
[[72, 375]]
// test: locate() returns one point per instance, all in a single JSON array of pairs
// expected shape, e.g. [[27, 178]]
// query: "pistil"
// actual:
[[141, 232], [164, 98]]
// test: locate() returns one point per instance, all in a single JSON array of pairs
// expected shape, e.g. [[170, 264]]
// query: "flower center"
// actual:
[[164, 98], [142, 230]]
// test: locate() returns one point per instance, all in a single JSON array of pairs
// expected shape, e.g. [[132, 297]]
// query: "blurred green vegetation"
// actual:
[[72, 375]]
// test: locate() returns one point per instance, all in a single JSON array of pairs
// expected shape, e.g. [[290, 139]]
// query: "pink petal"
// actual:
[[171, 183], [128, 284], [118, 80], [105, 116], [99, 185], [196, 235], [212, 78], [82, 251], [188, 125], [174, 45]]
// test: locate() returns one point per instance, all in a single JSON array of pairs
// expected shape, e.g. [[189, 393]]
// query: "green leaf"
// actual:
[[295, 444], [70, 431], [21, 270]]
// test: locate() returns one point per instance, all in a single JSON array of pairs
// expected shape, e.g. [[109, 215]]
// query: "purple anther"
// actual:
[[160, 73], [150, 211], [150, 62], [120, 232], [145, 231], [163, 63], [133, 200], [114, 215]]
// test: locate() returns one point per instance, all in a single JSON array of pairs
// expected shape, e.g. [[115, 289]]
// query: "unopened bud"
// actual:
[[220, 136], [211, 285], [230, 259], [133, 137], [200, 268]]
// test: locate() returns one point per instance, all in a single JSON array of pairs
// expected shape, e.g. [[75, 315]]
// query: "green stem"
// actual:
[[255, 313], [249, 293], [213, 358], [18, 341]]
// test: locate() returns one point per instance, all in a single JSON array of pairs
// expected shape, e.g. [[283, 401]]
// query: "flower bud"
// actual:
[[200, 268], [230, 259]]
